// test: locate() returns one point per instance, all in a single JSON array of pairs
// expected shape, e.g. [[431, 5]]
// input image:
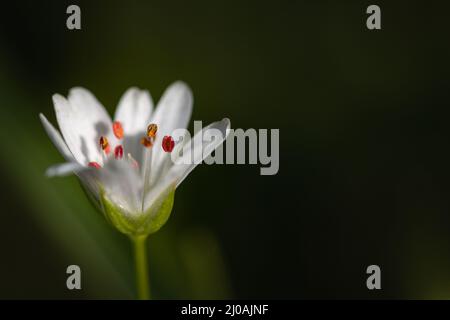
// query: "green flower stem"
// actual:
[[141, 264]]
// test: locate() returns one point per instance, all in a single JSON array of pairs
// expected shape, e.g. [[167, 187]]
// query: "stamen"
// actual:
[[168, 143], [146, 166], [118, 129], [104, 144], [151, 130], [146, 142], [118, 152], [133, 162], [94, 164]]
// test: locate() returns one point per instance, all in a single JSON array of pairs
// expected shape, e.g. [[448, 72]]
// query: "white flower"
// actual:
[[131, 182]]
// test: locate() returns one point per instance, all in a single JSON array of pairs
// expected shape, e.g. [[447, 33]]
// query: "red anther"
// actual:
[[168, 143], [118, 152], [118, 129], [104, 144], [94, 164]]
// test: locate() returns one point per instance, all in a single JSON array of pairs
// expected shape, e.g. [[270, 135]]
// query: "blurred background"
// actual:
[[364, 163]]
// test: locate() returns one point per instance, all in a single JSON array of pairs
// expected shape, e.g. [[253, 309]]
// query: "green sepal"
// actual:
[[142, 223]]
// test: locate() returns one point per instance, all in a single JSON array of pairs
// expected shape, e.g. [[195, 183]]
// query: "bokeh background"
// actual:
[[364, 161]]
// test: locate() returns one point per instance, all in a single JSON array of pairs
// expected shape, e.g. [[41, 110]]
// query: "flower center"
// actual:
[[147, 141]]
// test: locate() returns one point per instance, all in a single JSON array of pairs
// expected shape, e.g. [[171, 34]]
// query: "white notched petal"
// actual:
[[65, 169], [134, 111], [181, 169], [56, 138], [174, 108], [173, 112], [82, 121]]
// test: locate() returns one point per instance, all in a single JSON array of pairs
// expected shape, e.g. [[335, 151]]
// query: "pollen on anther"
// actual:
[[151, 130], [168, 143], [118, 129], [94, 164], [146, 142], [118, 152], [104, 144]]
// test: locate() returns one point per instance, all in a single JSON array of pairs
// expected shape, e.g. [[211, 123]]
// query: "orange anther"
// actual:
[[146, 142], [118, 129], [104, 144], [151, 130]]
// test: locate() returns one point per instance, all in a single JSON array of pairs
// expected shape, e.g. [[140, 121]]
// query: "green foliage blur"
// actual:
[[364, 164]]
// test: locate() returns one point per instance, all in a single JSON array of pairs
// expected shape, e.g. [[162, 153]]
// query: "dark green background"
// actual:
[[364, 161]]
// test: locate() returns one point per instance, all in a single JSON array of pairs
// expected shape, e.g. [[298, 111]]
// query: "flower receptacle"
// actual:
[[141, 223]]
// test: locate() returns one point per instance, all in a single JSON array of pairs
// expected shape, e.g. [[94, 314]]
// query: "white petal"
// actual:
[[87, 175], [159, 190], [181, 171], [173, 112], [64, 169], [134, 111], [174, 108], [178, 172], [122, 185], [56, 138], [89, 179], [82, 121]]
